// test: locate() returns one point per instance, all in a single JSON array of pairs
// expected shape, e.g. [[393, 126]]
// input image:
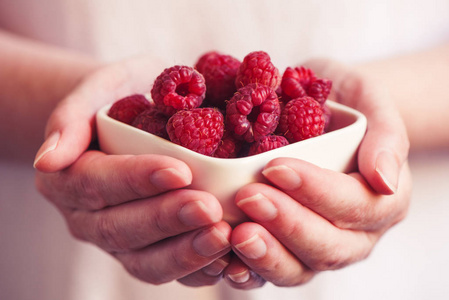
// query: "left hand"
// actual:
[[312, 219]]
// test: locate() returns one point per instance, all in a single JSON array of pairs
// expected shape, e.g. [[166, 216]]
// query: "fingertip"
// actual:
[[387, 168], [49, 145], [62, 147], [171, 178]]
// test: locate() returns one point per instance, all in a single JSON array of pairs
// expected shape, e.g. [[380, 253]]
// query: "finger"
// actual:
[[98, 180], [266, 257], [71, 127], [315, 241], [240, 276], [385, 147], [179, 256], [137, 224], [346, 201], [209, 275], [69, 130]]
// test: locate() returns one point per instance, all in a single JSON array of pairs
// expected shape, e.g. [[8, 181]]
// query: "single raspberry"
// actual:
[[178, 88], [253, 112], [229, 146], [319, 89], [126, 109], [152, 121], [295, 82], [198, 129], [219, 71], [267, 143], [301, 118], [258, 68]]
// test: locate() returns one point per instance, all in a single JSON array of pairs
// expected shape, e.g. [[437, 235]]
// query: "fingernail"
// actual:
[[252, 248], [50, 144], [388, 168], [215, 268], [210, 242], [283, 176], [169, 178], [196, 213], [258, 207], [241, 277]]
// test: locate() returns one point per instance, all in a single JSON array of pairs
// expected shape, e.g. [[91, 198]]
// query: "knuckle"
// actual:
[[109, 236], [297, 280], [333, 260], [88, 196], [353, 217], [185, 263], [135, 267]]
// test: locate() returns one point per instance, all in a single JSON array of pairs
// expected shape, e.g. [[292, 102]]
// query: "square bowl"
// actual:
[[223, 177]]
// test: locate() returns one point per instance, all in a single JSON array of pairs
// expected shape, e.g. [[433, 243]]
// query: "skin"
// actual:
[[140, 210]]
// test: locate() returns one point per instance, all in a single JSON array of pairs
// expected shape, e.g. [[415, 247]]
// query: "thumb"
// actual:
[[384, 149], [68, 134]]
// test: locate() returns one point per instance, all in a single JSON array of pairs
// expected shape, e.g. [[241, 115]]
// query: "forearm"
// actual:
[[33, 78], [417, 83]]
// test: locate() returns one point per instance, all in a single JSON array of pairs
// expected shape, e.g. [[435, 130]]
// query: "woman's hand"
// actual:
[[312, 219], [137, 208]]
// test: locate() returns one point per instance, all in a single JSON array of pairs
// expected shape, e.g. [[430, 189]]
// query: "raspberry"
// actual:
[[258, 68], [199, 129], [319, 89], [253, 112], [295, 82], [126, 109], [267, 143], [219, 71], [229, 146], [301, 118], [152, 121], [178, 88]]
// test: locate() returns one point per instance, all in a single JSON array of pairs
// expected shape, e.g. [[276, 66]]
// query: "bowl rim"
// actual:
[[359, 120]]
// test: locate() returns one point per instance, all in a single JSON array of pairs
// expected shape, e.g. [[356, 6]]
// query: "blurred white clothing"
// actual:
[[39, 260]]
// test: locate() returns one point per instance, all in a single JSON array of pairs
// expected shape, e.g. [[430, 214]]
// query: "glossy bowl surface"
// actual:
[[335, 150]]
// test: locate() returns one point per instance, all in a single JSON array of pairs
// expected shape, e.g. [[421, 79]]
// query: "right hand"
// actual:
[[137, 208]]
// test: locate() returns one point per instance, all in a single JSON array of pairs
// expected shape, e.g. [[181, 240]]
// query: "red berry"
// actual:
[[301, 118], [219, 71], [267, 143], [319, 89], [295, 82], [126, 109], [229, 146], [178, 88], [152, 121], [199, 129], [258, 68], [253, 112]]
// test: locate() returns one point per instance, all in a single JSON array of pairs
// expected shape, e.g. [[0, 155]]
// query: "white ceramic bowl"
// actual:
[[335, 150]]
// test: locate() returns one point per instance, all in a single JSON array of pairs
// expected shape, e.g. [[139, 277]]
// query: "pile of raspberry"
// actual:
[[226, 108]]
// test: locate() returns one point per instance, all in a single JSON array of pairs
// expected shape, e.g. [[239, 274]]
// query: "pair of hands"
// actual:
[[140, 208]]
